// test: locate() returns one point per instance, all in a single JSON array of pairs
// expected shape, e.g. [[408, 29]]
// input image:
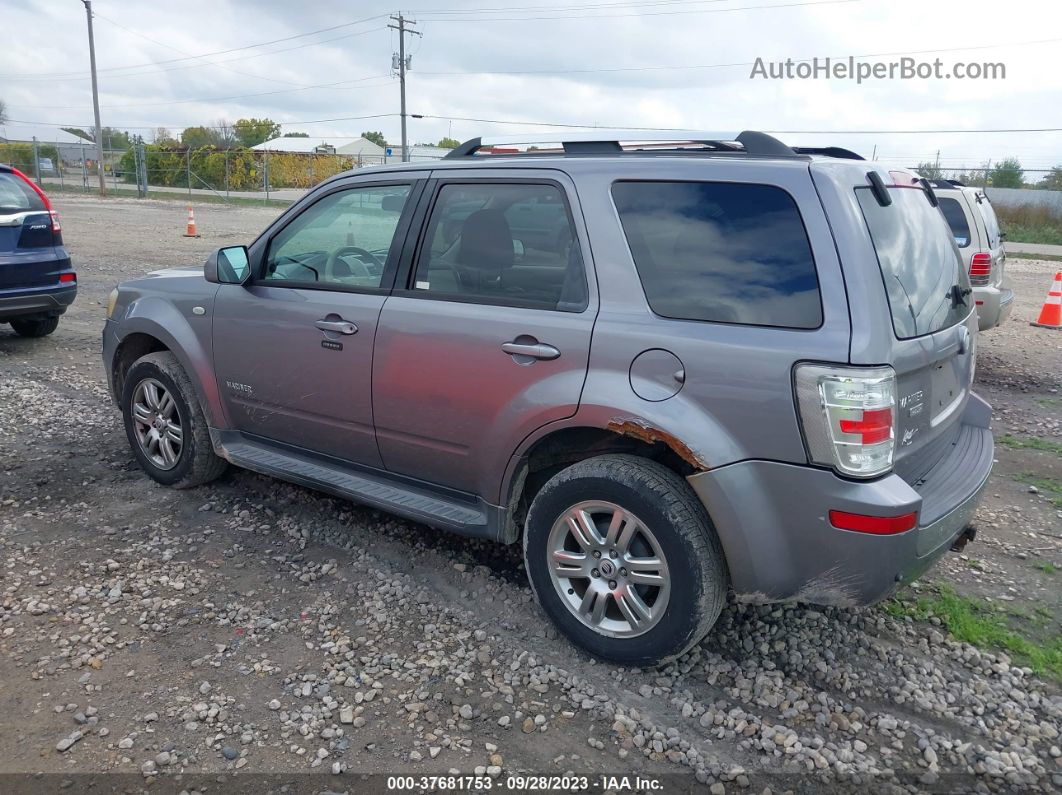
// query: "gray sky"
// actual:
[[611, 62]]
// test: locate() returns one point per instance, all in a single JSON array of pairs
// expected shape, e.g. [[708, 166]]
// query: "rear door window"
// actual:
[[956, 217], [16, 196], [920, 263], [721, 252]]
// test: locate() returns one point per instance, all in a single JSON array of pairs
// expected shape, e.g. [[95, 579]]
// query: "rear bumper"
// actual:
[[993, 305], [27, 301], [772, 519]]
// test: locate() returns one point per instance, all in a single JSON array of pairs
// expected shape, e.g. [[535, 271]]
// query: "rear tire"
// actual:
[[166, 426], [35, 327], [648, 552]]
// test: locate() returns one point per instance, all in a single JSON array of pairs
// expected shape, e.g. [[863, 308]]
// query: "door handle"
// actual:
[[537, 350], [339, 326]]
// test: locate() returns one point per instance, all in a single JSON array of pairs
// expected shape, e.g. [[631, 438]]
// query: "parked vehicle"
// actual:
[[748, 371], [975, 227], [37, 281]]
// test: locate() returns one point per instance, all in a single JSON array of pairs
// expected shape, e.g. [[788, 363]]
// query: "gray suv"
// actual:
[[677, 371]]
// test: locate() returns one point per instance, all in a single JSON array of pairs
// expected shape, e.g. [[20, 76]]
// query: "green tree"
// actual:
[[1007, 174], [163, 137], [295, 135], [1053, 179], [78, 132], [198, 137], [376, 137], [250, 132], [929, 170], [448, 143]]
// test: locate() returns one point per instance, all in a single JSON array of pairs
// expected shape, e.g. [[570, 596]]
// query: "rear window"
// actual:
[[16, 196], [919, 261], [956, 217], [721, 252], [984, 206]]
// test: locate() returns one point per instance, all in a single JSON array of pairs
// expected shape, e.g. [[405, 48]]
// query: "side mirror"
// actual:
[[518, 248], [229, 265], [393, 202]]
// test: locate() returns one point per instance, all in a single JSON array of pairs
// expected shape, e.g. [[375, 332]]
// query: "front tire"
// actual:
[[165, 425], [35, 327], [623, 558]]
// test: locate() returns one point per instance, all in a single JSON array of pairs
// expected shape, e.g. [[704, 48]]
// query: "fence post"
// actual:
[[226, 173], [188, 169], [84, 169], [59, 165], [36, 160], [265, 173]]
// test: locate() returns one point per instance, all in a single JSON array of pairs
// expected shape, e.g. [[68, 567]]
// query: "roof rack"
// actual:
[[748, 142], [946, 184]]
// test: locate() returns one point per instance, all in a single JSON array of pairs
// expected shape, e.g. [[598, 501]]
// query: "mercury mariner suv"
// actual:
[[677, 371]]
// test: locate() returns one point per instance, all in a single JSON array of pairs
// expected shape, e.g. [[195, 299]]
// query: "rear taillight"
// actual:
[[873, 525], [980, 268], [56, 228], [67, 278], [848, 415]]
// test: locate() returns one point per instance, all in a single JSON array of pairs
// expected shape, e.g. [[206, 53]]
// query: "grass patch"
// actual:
[[1034, 223], [1048, 402], [1019, 254], [1051, 488], [1047, 568], [1029, 443], [981, 624]]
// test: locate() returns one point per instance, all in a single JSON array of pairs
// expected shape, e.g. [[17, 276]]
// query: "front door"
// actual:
[[293, 347], [488, 340]]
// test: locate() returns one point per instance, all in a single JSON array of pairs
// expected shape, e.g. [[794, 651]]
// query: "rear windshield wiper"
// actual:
[[958, 294]]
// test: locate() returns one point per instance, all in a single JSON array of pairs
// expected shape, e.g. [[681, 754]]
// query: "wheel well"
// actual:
[[129, 350], [560, 449]]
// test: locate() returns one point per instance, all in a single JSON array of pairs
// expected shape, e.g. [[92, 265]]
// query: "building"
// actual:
[[70, 147], [358, 147]]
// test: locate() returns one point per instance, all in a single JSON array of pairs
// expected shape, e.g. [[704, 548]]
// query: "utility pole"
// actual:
[[95, 100], [403, 65]]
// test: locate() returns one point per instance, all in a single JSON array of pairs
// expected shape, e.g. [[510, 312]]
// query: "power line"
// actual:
[[674, 67], [645, 14], [29, 76], [189, 55], [340, 85]]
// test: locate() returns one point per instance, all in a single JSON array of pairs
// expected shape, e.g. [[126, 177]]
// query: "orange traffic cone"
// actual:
[[1051, 314], [190, 229]]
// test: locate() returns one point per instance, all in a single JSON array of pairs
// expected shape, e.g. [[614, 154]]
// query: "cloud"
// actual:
[[51, 39]]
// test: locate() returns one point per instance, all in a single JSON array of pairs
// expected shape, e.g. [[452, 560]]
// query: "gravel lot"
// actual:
[[256, 627]]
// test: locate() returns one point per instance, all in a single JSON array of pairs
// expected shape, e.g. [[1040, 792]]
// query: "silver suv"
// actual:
[[677, 371], [975, 227]]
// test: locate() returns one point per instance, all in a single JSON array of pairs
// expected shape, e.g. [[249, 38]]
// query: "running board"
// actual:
[[375, 488]]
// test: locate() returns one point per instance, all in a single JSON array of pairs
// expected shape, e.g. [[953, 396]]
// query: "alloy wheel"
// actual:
[[157, 423]]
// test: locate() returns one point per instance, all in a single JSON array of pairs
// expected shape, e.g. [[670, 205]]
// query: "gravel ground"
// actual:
[[255, 627]]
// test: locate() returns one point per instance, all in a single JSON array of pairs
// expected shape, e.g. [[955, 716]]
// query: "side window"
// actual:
[[502, 244], [956, 216], [342, 240], [719, 251]]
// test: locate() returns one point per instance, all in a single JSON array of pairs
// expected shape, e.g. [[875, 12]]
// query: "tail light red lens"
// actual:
[[56, 228], [876, 426], [67, 278], [980, 268], [873, 525]]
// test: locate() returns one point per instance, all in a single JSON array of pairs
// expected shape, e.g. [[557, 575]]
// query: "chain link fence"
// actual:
[[146, 170]]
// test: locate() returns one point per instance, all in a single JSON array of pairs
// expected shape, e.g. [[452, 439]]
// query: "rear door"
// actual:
[[488, 338], [933, 325]]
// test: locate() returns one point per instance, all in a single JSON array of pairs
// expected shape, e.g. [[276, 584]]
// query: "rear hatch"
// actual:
[[28, 235], [933, 326]]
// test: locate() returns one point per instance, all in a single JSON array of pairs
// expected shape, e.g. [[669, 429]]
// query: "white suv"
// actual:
[[973, 222]]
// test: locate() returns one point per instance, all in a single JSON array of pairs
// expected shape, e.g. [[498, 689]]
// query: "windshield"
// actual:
[[920, 264]]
